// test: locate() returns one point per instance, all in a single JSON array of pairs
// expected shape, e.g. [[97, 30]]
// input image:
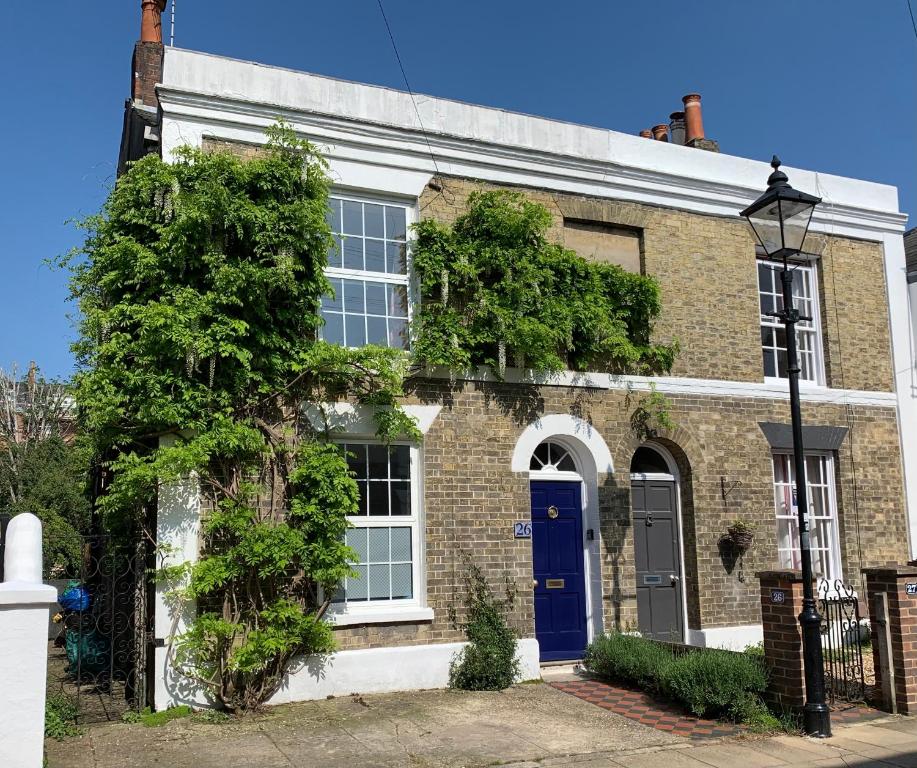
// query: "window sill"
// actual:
[[379, 615], [803, 384]]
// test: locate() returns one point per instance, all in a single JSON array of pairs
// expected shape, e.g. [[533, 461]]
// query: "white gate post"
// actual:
[[24, 606]]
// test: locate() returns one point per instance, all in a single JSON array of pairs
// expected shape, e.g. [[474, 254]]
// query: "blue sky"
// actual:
[[826, 84]]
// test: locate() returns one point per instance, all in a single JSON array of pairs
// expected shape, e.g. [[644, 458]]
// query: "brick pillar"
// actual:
[[893, 581], [781, 604]]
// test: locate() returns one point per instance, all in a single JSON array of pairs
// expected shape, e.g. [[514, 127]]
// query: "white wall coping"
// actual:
[[675, 385], [351, 616], [21, 593]]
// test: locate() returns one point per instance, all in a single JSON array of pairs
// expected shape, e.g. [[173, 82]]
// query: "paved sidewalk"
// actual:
[[529, 726]]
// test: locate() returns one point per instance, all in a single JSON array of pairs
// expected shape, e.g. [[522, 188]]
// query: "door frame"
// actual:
[[671, 476], [589, 499]]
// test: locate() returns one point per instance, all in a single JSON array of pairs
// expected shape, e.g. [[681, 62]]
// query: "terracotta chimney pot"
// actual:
[[661, 132], [646, 133], [151, 20], [694, 123]]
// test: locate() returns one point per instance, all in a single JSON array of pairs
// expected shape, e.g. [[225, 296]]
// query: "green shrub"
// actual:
[[152, 719], [60, 716], [630, 659], [488, 662], [714, 683]]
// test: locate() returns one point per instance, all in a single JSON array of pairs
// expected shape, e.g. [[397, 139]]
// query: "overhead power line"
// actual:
[[408, 85]]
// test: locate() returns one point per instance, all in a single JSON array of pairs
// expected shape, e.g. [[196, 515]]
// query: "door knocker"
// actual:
[[552, 512]]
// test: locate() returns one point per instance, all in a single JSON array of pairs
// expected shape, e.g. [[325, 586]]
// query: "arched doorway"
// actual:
[[658, 556], [558, 546]]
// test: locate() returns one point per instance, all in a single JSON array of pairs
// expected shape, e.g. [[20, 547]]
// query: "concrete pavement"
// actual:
[[529, 726]]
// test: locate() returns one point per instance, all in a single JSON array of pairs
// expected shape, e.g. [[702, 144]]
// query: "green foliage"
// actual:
[[150, 719], [494, 289], [199, 287], [61, 712], [52, 479], [488, 662], [713, 683], [650, 414], [706, 681], [630, 659]]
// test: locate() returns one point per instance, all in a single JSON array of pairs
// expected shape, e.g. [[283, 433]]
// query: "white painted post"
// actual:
[[24, 606]]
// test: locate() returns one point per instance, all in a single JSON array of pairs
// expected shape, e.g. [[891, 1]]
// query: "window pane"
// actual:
[[398, 334], [379, 587], [376, 303], [334, 302], [376, 331], [333, 216], [781, 363], [356, 587], [566, 464], [373, 220], [765, 277], [767, 304], [401, 545], [396, 258], [401, 498], [361, 485], [353, 296], [353, 253], [333, 330], [356, 459], [336, 252], [353, 218], [355, 330], [356, 540], [402, 586], [378, 546], [375, 255], [395, 228], [397, 301], [378, 462], [400, 461], [378, 499]]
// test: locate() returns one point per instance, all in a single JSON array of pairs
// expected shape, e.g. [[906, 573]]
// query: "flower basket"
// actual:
[[741, 535]]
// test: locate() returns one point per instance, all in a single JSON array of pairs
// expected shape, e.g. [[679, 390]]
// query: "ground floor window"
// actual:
[[823, 530], [385, 532]]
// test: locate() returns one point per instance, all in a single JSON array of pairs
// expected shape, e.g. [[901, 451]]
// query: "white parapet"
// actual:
[[24, 606]]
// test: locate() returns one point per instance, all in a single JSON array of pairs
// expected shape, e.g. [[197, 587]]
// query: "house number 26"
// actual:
[[522, 530]]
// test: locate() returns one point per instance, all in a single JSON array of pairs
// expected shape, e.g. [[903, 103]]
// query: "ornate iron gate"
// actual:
[[842, 642], [98, 657]]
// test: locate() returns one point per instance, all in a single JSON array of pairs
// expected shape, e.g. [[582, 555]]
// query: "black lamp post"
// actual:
[[780, 219]]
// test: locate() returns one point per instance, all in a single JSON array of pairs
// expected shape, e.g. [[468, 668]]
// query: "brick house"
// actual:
[[624, 533]]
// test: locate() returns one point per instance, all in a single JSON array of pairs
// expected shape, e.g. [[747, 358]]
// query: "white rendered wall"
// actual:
[[736, 638], [380, 670], [24, 607], [177, 535]]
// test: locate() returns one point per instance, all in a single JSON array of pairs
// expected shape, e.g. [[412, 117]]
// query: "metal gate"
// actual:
[[842, 631], [97, 655]]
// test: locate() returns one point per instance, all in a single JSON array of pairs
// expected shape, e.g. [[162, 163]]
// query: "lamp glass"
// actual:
[[781, 224]]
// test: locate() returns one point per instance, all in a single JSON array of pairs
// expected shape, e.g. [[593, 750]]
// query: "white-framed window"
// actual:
[[386, 532], [823, 528], [773, 332], [368, 270]]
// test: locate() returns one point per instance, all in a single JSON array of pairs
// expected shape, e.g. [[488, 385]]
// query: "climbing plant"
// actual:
[[198, 288], [496, 292]]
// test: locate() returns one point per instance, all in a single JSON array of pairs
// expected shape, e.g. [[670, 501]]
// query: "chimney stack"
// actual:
[[646, 133], [151, 20], [694, 122], [694, 125], [677, 127], [147, 64], [661, 132]]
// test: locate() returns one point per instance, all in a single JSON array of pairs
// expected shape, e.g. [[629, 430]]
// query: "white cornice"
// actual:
[[378, 127], [672, 385]]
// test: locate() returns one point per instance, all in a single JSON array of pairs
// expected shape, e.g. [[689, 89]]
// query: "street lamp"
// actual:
[[780, 219]]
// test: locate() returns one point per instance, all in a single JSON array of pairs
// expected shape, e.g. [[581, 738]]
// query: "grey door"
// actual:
[[657, 559]]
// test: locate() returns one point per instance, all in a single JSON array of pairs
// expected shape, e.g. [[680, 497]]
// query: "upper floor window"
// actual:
[[773, 332], [367, 267]]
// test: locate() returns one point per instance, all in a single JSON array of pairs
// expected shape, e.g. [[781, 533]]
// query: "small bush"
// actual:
[[488, 662], [714, 683], [60, 717], [152, 719], [630, 659]]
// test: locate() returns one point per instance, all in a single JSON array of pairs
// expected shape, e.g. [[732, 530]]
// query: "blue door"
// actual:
[[558, 564]]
